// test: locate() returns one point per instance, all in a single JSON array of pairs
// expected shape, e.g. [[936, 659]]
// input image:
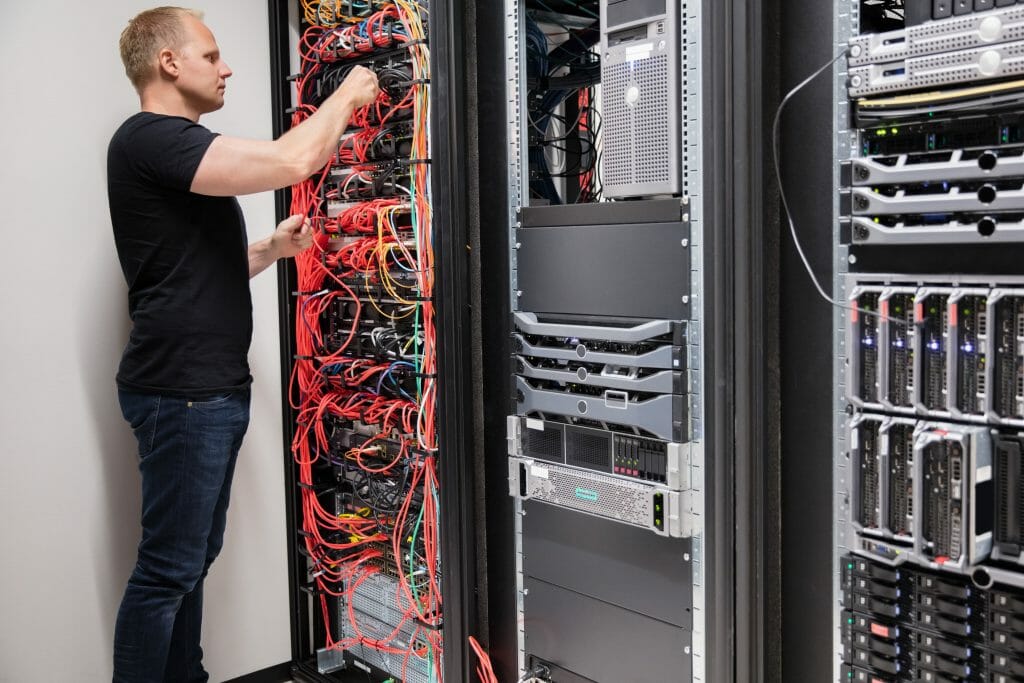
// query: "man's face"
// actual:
[[202, 78]]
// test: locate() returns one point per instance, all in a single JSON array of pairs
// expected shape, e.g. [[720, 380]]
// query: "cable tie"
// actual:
[[415, 161], [419, 81]]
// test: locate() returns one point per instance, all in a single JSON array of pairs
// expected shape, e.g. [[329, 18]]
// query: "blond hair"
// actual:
[[149, 33]]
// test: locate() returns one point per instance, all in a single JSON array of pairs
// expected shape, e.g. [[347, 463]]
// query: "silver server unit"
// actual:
[[640, 81]]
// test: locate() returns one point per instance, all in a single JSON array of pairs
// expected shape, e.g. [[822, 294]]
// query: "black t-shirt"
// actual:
[[185, 258]]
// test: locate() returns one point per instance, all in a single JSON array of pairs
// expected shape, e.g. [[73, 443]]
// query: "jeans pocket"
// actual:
[[142, 411], [210, 402]]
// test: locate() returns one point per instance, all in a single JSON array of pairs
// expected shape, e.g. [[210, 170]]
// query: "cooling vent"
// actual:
[[545, 444], [637, 139], [588, 449]]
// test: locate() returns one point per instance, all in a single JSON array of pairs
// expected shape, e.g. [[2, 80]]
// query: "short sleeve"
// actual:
[[167, 150]]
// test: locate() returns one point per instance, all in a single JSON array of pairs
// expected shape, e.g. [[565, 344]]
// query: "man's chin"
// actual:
[[214, 104]]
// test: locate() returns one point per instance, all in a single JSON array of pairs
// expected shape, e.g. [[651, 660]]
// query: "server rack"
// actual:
[[452, 136], [923, 347], [734, 243], [731, 66]]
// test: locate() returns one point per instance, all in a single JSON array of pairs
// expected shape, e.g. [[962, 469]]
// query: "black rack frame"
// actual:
[[452, 150]]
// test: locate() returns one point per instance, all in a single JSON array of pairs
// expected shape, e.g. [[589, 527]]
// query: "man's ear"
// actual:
[[167, 62]]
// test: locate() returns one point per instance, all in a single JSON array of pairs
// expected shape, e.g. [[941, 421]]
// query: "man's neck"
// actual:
[[158, 100]]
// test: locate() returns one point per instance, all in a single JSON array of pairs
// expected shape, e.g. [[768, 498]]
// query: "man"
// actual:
[[183, 382]]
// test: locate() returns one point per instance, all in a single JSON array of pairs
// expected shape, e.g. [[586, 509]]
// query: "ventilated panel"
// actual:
[[596, 494], [545, 443], [637, 137], [588, 449]]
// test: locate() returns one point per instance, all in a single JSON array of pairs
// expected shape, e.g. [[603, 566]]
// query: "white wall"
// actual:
[[69, 499]]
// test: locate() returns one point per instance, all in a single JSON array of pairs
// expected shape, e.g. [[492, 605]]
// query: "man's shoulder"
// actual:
[[146, 124]]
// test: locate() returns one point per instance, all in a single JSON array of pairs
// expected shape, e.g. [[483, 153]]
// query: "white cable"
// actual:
[[785, 205]]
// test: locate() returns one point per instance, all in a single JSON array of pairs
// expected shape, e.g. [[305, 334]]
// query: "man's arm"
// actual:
[[234, 166], [292, 235]]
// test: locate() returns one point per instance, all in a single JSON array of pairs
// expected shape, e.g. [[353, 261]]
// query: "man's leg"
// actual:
[[185, 449], [185, 658]]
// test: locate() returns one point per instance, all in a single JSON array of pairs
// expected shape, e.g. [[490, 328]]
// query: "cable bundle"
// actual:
[[563, 146], [363, 383]]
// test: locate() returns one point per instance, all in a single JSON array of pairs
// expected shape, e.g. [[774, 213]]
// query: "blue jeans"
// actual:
[[187, 453]]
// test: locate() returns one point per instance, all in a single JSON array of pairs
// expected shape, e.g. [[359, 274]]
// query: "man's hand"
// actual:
[[292, 235], [360, 86]]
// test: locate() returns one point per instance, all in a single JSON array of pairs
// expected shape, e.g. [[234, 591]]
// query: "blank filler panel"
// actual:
[[635, 269], [600, 641], [614, 563]]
